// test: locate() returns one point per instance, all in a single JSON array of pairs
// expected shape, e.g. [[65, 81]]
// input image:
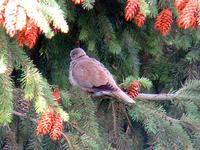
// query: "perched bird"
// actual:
[[91, 76]]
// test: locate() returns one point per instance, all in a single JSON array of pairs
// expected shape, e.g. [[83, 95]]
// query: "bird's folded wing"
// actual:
[[88, 74]]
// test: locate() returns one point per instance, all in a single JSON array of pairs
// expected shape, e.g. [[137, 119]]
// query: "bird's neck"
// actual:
[[81, 57]]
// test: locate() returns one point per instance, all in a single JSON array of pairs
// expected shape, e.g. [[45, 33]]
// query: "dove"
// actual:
[[91, 76]]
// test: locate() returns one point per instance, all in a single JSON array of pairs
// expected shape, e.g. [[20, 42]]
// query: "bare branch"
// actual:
[[156, 97], [68, 141], [142, 96]]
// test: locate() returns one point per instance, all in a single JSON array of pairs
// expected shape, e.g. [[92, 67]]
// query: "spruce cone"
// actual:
[[131, 9], [28, 36], [140, 19], [45, 122], [180, 4], [23, 106], [134, 88], [164, 21], [78, 2], [56, 95], [57, 128], [189, 15]]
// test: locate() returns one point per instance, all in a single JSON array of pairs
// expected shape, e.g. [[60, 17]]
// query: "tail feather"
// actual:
[[123, 96]]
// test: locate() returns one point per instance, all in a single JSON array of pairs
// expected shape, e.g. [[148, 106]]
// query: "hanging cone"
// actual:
[[140, 19], [56, 95], [164, 21], [131, 9], [134, 88], [28, 36], [57, 128], [188, 17], [45, 122], [180, 4]]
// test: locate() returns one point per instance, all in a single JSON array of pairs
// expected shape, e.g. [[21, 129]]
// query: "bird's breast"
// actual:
[[71, 78]]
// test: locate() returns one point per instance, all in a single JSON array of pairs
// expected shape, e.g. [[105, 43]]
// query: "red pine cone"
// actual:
[[56, 95], [77, 1], [28, 36], [45, 122], [10, 18], [134, 89], [180, 4], [164, 21], [131, 9], [57, 128], [189, 15], [140, 19]]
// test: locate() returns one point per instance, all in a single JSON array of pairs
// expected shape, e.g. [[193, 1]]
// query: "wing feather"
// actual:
[[90, 73]]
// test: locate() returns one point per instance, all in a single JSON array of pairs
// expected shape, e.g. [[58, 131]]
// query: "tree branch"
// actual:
[[156, 97], [142, 96]]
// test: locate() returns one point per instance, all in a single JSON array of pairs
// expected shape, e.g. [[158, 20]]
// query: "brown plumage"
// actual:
[[91, 76]]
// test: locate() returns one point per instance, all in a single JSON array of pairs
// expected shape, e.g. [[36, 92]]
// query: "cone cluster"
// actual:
[[50, 122], [14, 18], [188, 15], [132, 11]]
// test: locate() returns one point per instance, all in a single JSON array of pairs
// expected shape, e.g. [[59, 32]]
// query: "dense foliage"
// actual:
[[154, 42]]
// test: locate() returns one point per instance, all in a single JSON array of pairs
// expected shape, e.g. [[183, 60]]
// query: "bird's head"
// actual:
[[77, 53]]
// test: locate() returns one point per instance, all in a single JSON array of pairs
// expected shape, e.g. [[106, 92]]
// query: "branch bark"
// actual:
[[156, 97], [142, 96]]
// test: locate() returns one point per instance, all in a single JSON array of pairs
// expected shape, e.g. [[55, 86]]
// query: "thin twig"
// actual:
[[24, 116], [72, 124], [129, 121], [68, 141]]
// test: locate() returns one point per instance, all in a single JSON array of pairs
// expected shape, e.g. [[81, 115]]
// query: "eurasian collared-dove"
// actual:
[[91, 76]]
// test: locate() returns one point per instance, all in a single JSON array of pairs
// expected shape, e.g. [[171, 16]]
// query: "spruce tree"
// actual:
[[152, 49]]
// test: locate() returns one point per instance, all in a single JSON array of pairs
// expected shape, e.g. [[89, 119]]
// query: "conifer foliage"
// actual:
[[27, 18], [123, 36]]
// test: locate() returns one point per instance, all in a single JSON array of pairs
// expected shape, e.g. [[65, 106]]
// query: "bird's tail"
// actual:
[[123, 96]]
